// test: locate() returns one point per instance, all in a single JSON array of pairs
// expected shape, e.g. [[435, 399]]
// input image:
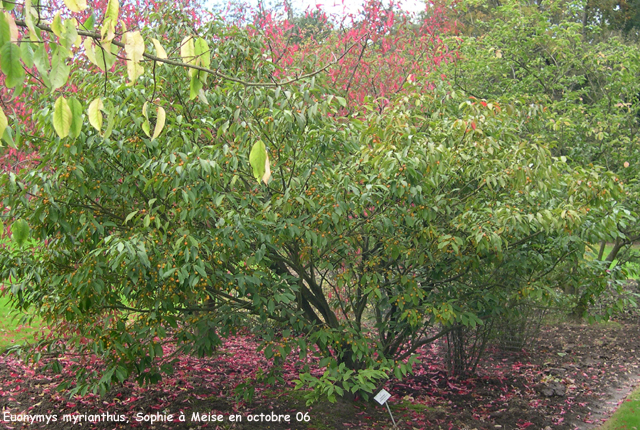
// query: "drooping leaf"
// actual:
[[160, 52], [160, 119], [5, 32], [267, 170], [134, 47], [95, 113], [14, 34], [188, 52], [146, 127], [202, 52], [4, 123], [28, 13], [8, 29], [113, 10], [90, 51], [59, 69], [70, 34], [41, 59], [76, 5], [107, 31], [105, 57], [56, 25], [10, 65], [257, 159], [20, 232], [62, 117], [195, 86], [76, 117], [27, 54]]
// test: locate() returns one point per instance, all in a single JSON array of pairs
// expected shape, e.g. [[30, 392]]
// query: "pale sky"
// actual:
[[352, 6], [337, 7]]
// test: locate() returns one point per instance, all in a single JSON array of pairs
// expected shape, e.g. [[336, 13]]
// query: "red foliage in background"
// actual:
[[388, 48]]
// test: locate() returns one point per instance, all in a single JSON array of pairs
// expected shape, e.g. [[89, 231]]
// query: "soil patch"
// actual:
[[573, 378]]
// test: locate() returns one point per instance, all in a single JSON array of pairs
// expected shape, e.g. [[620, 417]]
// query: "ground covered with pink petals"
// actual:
[[571, 379]]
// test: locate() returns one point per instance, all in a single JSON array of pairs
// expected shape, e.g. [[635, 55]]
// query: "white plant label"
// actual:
[[382, 397]]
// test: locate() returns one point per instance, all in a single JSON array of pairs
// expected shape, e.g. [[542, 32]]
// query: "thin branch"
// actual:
[[98, 37]]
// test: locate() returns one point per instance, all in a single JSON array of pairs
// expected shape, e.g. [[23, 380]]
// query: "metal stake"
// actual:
[[391, 415]]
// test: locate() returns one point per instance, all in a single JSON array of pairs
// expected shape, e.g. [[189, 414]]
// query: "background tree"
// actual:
[[589, 88]]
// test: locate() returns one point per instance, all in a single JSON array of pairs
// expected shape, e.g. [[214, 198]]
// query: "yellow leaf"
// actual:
[[107, 32], [134, 47], [267, 170], [188, 52], [95, 114], [76, 5], [160, 52], [160, 119], [3, 122], [62, 117], [90, 51]]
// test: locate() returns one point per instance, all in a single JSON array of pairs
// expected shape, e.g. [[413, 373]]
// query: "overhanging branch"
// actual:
[[98, 37]]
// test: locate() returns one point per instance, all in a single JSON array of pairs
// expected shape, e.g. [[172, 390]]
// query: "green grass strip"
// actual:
[[627, 416], [11, 331]]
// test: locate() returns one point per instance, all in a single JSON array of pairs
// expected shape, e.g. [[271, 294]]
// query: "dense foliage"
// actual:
[[587, 79], [178, 200]]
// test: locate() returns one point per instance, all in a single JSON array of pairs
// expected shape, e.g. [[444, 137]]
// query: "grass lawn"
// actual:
[[633, 269], [627, 417], [11, 331]]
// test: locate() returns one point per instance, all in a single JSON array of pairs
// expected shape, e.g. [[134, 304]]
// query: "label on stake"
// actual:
[[382, 397]]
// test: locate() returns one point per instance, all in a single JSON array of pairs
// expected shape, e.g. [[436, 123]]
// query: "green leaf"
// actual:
[[202, 52], [104, 57], [195, 86], [27, 54], [8, 29], [5, 33], [20, 232], [257, 159], [59, 70], [70, 33], [113, 10], [62, 117], [41, 59], [89, 23], [95, 113], [29, 13], [76, 117], [9, 4], [131, 215], [56, 25], [146, 127], [187, 53], [10, 65]]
